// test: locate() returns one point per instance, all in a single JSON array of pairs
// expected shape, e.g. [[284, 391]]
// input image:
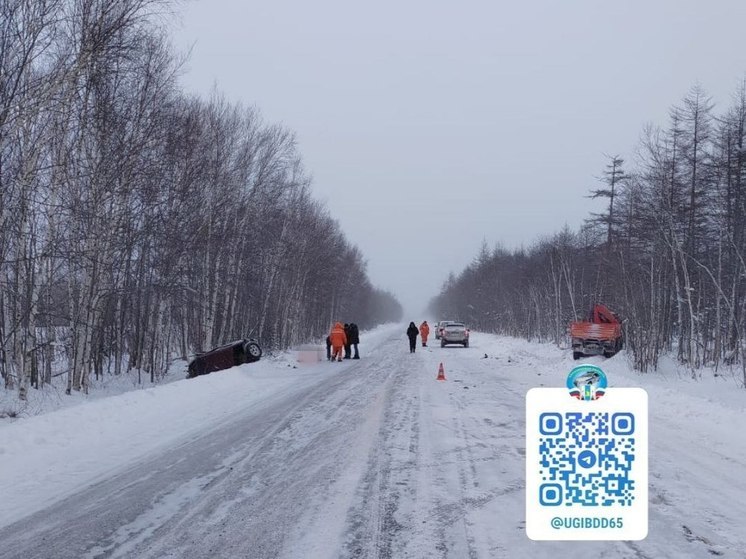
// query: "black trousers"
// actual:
[[412, 344]]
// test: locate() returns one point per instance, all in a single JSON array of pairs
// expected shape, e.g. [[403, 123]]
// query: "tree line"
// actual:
[[140, 223], [668, 252]]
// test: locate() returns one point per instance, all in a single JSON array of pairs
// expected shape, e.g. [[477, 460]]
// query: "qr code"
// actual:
[[586, 459]]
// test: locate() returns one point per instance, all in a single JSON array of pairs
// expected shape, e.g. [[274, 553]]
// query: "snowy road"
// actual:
[[375, 458]]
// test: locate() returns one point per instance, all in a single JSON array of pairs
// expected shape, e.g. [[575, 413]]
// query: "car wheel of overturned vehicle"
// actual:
[[253, 350]]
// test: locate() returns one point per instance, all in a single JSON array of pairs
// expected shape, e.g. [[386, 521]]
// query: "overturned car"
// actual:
[[225, 357]]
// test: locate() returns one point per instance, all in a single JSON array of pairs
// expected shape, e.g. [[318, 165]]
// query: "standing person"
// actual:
[[328, 348], [412, 333], [338, 339], [354, 339], [424, 332], [348, 352]]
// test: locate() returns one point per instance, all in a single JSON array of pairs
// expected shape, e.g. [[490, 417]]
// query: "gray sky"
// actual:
[[430, 125]]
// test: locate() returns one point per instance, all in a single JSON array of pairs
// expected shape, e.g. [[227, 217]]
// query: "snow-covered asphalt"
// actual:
[[372, 458]]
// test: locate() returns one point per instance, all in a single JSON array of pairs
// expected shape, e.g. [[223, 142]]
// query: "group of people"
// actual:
[[342, 338], [412, 332]]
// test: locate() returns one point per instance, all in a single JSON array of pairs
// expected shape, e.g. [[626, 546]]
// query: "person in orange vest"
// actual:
[[424, 332], [339, 340]]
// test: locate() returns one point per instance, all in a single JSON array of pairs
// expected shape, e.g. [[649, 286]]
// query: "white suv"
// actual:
[[454, 333]]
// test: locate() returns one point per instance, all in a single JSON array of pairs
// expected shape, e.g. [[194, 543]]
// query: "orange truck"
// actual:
[[601, 334]]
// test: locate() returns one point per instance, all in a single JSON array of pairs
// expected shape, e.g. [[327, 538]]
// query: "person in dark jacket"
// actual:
[[348, 351], [412, 333], [354, 339]]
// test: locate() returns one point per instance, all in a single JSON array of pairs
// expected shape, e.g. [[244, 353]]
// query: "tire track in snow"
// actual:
[[262, 481], [467, 475], [374, 521], [482, 454]]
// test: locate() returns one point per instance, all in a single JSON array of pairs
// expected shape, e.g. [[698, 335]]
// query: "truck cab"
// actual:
[[601, 334]]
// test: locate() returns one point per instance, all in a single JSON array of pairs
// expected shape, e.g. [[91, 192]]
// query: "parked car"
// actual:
[[454, 333], [225, 357], [439, 328]]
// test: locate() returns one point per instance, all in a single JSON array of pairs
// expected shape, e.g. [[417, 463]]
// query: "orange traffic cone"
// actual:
[[441, 373]]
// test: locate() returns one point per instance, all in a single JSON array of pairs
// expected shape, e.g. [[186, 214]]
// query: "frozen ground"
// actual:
[[369, 458]]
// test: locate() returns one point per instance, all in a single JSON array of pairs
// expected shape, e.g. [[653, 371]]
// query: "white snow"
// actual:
[[452, 475]]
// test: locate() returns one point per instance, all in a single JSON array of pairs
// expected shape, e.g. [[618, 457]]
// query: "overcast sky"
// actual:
[[430, 125]]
